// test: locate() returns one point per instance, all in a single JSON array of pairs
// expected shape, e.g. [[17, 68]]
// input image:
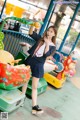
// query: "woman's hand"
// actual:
[[47, 41]]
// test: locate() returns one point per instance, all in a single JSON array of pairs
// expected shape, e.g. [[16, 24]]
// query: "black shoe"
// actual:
[[36, 110]]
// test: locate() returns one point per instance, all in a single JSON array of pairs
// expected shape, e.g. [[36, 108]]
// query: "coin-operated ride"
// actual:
[[65, 69], [11, 78], [52, 76]]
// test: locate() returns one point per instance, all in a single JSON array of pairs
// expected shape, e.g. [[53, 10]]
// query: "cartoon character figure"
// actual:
[[69, 66]]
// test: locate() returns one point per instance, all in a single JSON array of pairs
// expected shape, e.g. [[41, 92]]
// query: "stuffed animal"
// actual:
[[69, 66]]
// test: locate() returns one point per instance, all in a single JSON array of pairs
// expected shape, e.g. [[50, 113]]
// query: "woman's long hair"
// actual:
[[41, 41], [45, 35]]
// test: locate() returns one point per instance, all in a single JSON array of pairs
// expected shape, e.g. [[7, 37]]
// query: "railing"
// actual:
[[12, 39]]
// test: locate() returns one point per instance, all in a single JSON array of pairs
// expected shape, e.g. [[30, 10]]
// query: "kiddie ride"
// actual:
[[65, 69], [11, 78]]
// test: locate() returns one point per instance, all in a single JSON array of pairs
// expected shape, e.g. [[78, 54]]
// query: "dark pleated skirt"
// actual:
[[37, 68]]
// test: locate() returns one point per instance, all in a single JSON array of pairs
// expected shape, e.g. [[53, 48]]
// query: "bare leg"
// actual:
[[35, 108], [24, 91], [24, 88], [34, 90]]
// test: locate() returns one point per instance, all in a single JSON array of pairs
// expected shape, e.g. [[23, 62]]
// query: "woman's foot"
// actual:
[[36, 110]]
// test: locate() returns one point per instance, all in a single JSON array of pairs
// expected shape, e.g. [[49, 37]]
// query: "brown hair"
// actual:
[[45, 34], [41, 41]]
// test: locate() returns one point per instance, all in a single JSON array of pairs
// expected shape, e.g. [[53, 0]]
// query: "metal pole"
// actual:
[[75, 43], [3, 8], [64, 39], [51, 16], [47, 17]]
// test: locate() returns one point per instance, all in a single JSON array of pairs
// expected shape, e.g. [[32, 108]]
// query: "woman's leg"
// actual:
[[24, 88], [35, 108], [34, 90]]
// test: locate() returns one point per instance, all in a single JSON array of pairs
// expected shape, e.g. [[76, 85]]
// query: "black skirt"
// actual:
[[37, 63], [37, 66]]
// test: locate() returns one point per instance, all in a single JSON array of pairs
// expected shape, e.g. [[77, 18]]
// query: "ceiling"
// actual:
[[71, 3]]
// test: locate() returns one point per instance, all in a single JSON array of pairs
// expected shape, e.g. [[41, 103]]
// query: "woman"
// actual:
[[39, 53]]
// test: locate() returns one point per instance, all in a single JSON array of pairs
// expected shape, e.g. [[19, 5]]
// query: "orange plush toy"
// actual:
[[69, 66]]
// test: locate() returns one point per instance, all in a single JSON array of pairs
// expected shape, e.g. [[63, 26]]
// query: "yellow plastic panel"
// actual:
[[54, 81]]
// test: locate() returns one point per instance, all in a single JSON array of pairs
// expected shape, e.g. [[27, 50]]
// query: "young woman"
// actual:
[[39, 53]]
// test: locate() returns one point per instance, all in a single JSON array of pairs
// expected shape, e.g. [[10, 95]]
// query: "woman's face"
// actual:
[[50, 32]]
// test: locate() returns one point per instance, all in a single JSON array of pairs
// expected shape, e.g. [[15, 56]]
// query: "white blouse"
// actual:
[[40, 52]]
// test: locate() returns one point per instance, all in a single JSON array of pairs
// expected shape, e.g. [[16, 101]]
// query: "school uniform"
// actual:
[[37, 61]]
